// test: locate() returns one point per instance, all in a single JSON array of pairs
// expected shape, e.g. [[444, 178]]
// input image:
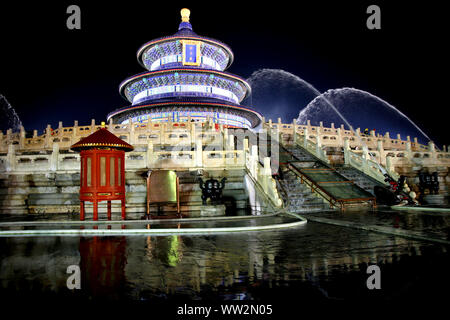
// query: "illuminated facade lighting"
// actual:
[[186, 79]]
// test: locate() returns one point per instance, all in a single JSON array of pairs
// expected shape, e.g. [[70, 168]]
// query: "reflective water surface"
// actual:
[[315, 262]]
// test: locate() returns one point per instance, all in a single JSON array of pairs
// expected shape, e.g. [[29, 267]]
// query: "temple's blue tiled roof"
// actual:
[[207, 73], [194, 100], [184, 32], [185, 26], [209, 103], [174, 84]]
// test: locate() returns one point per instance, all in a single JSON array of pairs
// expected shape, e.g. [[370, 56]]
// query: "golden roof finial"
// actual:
[[103, 124], [185, 14]]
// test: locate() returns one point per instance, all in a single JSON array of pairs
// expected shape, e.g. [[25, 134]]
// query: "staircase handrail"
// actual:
[[314, 148], [372, 168], [315, 188]]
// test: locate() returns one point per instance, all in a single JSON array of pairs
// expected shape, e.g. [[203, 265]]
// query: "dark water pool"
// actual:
[[309, 265]]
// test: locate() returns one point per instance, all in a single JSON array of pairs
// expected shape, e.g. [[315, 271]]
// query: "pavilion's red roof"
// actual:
[[102, 138]]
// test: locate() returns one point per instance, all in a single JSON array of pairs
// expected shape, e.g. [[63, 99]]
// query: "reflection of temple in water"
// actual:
[[183, 265], [144, 267]]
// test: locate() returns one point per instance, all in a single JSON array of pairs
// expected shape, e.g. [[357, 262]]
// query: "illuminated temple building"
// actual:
[[186, 81], [185, 116]]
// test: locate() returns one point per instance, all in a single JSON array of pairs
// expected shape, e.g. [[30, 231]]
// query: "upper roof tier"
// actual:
[[185, 48]]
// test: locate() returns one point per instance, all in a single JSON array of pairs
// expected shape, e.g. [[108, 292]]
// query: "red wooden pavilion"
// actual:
[[102, 176]]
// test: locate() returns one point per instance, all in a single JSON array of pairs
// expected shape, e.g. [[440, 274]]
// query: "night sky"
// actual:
[[49, 73]]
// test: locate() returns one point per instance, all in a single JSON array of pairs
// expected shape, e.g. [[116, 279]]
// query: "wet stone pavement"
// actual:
[[433, 224]]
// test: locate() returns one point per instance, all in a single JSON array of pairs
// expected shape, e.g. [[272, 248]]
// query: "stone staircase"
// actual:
[[296, 162], [299, 197], [302, 155], [359, 178]]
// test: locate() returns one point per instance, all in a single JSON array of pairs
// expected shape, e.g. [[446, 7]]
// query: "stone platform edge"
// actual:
[[162, 231]]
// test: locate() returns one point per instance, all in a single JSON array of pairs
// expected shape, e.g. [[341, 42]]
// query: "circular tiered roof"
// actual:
[[186, 79], [214, 54], [186, 103], [164, 83]]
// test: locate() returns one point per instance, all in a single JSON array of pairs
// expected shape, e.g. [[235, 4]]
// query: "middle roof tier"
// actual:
[[184, 82]]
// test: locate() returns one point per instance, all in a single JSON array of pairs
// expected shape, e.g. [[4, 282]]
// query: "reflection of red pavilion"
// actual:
[[103, 261], [102, 175]]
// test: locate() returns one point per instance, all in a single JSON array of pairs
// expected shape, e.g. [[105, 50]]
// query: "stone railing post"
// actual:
[[389, 166], [150, 154], [365, 157], [9, 135], [432, 149], [408, 150], [22, 137], [305, 140], [267, 175], [254, 161], [340, 138], [11, 158], [193, 130], [225, 137], [198, 153], [54, 157], [319, 148], [131, 129], [380, 149], [245, 145], [278, 134], [162, 133], [267, 169], [48, 136], [74, 130], [294, 131], [230, 143], [346, 151]]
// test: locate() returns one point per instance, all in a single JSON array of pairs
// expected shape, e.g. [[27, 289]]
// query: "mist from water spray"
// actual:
[[275, 91], [280, 74], [9, 118], [348, 92]]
